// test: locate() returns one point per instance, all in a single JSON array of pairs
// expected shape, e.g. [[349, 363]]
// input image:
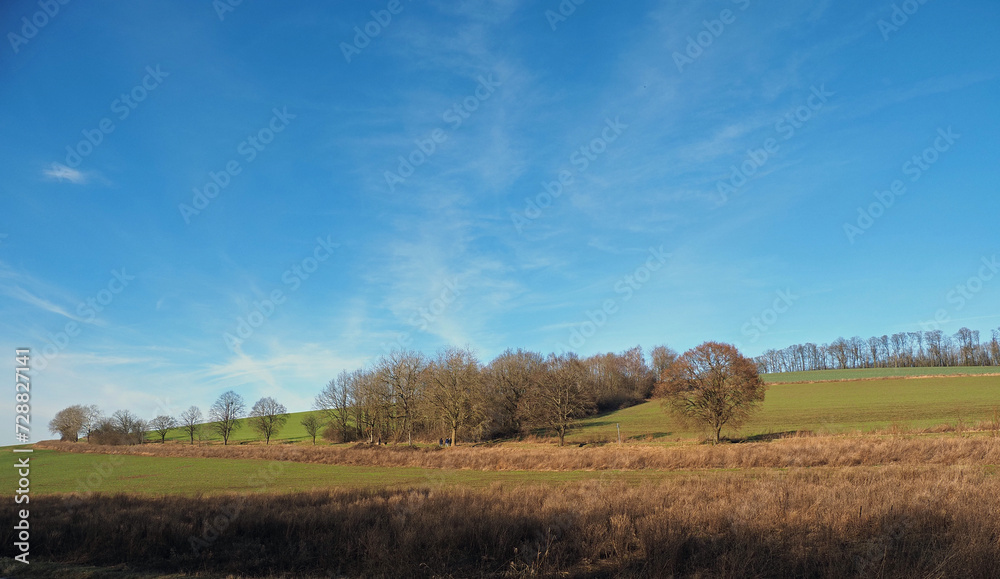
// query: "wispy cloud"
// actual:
[[60, 172]]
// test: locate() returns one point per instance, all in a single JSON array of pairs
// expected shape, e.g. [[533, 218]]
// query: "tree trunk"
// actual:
[[718, 432]]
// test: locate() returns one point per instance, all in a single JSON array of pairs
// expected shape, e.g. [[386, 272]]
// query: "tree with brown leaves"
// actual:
[[713, 384]]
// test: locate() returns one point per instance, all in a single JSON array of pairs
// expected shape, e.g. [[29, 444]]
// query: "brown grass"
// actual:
[[895, 521], [835, 451]]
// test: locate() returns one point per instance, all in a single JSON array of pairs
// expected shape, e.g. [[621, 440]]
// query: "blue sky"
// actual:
[[404, 188]]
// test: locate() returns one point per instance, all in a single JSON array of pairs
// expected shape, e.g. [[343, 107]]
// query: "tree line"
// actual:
[[901, 350], [123, 427], [404, 395], [454, 396]]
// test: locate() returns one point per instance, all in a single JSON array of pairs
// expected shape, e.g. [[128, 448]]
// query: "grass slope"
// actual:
[[824, 407], [870, 373]]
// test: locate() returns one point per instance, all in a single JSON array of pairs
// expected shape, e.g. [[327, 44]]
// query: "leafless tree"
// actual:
[[129, 426], [191, 422], [225, 414], [451, 393], [69, 422], [508, 377], [402, 376], [335, 401], [162, 425], [267, 417], [563, 393], [312, 424]]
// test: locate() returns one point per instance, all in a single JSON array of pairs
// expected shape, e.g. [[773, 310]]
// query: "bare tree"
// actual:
[[267, 417], [713, 384], [508, 377], [129, 426], [69, 422], [401, 372], [562, 393], [162, 425], [191, 422], [454, 381], [662, 357], [92, 418], [312, 424], [225, 414], [335, 401]]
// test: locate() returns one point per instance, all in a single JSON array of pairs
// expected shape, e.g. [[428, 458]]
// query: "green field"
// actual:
[[67, 472], [825, 407], [863, 373]]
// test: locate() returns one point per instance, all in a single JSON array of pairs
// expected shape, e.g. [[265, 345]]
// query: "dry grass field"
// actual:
[[891, 521]]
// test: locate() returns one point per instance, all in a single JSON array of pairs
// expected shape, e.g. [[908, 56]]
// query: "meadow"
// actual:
[[875, 476]]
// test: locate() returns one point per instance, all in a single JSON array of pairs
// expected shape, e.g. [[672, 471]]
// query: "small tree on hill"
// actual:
[[312, 424], [713, 384], [162, 425], [191, 422], [267, 417], [226, 413]]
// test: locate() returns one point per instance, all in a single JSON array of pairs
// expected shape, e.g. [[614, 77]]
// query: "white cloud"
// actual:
[[60, 172]]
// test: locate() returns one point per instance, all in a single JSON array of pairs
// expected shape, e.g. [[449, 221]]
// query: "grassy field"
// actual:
[[896, 505], [828, 407], [55, 472], [870, 373]]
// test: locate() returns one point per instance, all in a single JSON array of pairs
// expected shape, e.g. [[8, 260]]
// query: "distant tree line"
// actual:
[[901, 350], [226, 415]]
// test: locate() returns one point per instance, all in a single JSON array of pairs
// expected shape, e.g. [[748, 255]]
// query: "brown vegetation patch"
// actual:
[[889, 522], [830, 451]]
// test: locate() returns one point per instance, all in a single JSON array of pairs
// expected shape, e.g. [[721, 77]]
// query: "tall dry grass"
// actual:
[[789, 452], [896, 521]]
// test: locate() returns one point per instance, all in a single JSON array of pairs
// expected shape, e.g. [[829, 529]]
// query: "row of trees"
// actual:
[[900, 350], [123, 427], [404, 394]]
